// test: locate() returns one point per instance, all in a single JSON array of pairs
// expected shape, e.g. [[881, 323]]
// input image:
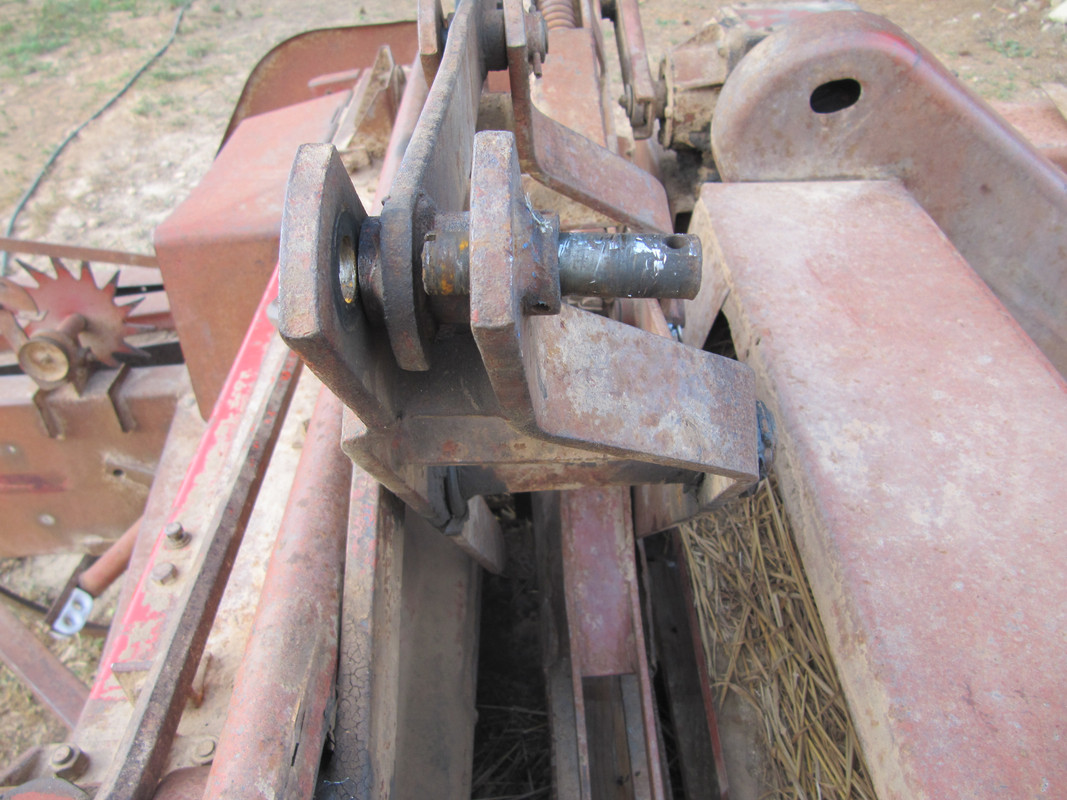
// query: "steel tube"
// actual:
[[103, 572], [272, 740], [590, 264]]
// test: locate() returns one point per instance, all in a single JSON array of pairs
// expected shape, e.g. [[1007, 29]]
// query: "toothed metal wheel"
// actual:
[[65, 322]]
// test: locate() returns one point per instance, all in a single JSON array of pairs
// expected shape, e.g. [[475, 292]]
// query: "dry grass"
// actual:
[[765, 643], [24, 722]]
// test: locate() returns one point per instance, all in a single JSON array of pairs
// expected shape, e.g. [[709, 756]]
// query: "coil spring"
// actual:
[[558, 14]]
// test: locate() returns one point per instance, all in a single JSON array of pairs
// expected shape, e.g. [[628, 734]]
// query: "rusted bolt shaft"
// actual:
[[629, 265], [590, 264]]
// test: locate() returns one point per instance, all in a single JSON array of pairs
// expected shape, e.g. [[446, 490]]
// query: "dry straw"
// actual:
[[765, 643]]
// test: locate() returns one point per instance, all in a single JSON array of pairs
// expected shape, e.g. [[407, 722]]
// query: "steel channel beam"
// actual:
[[271, 742], [138, 763], [605, 626], [50, 680], [921, 435]]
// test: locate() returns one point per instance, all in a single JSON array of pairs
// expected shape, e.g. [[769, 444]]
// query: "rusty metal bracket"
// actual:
[[434, 177], [484, 368], [528, 399], [849, 95]]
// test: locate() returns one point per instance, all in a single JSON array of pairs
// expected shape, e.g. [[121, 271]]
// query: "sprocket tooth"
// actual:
[[111, 286], [16, 298]]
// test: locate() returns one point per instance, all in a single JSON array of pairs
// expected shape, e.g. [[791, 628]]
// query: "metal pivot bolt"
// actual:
[[176, 535], [68, 761], [590, 264]]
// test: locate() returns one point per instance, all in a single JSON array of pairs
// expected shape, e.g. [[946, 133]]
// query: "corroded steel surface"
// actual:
[[203, 242], [283, 76], [180, 636], [568, 162], [921, 444], [368, 672], [1000, 202], [50, 680], [50, 487], [271, 743]]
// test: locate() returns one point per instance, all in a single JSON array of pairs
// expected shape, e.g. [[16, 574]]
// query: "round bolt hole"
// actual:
[[677, 241], [118, 473], [834, 96], [346, 268]]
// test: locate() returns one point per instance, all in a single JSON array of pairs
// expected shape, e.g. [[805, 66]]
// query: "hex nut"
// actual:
[[68, 761]]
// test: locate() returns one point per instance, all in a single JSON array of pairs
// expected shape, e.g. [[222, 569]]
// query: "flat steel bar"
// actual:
[[921, 441], [94, 254], [142, 753], [51, 682], [568, 162], [271, 742]]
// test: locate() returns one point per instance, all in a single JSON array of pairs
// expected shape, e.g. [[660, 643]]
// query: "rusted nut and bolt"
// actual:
[[176, 536], [164, 572], [68, 761], [590, 264], [536, 40], [204, 751]]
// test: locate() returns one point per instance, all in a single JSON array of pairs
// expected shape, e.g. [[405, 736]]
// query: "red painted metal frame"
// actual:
[[176, 639], [921, 435], [271, 743], [999, 201]]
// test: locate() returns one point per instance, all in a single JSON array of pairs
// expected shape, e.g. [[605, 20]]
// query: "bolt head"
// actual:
[[204, 750], [63, 755], [164, 572], [176, 535]]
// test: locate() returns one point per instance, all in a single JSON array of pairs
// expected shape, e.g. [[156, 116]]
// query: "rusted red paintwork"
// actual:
[[271, 743], [999, 201], [142, 624], [921, 438], [283, 77], [604, 613], [227, 231]]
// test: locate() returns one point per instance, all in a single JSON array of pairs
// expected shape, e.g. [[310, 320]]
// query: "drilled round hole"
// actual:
[[346, 268], [677, 242], [834, 96]]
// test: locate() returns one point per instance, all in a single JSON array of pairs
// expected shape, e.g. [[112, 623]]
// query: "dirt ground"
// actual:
[[62, 59]]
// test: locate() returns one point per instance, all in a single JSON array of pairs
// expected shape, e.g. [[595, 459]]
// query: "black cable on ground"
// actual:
[[70, 137]]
